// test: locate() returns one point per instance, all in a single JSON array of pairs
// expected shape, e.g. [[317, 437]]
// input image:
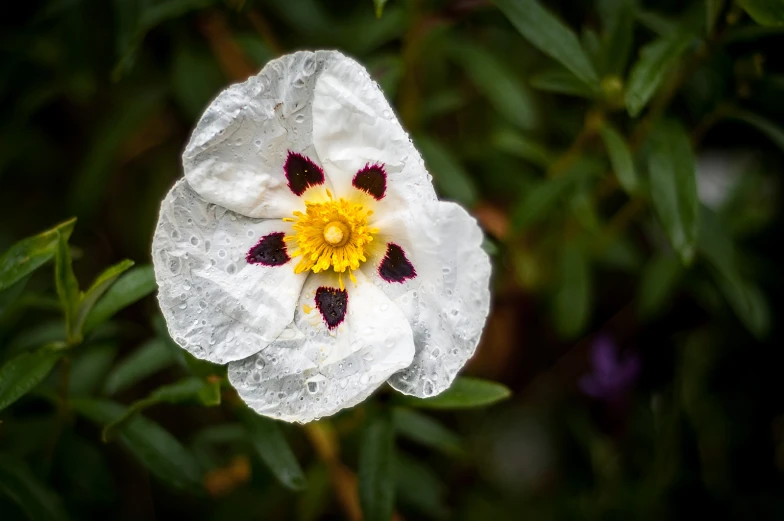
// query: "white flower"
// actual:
[[306, 246]]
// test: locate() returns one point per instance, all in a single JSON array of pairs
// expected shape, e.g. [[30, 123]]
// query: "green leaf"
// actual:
[[427, 431], [375, 474], [657, 60], [620, 157], [132, 286], [673, 186], [67, 288], [561, 81], [148, 359], [151, 444], [450, 177], [88, 186], [543, 197], [618, 31], [746, 300], [136, 19], [658, 282], [31, 253], [583, 207], [89, 369], [418, 486], [657, 23], [10, 295], [551, 36], [196, 77], [713, 9], [540, 199], [189, 390], [572, 304], [314, 501], [521, 146], [767, 127], [34, 498], [494, 79], [273, 449], [768, 13], [465, 392], [379, 5], [102, 283], [22, 373]]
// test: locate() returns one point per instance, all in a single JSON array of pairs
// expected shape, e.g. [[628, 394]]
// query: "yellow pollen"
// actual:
[[331, 234]]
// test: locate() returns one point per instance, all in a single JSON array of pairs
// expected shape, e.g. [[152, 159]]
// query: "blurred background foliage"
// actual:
[[624, 158]]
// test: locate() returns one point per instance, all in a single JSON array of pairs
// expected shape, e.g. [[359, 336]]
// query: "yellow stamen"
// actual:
[[331, 234]]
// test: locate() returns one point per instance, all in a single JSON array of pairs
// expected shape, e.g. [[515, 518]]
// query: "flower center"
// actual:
[[331, 234], [336, 233]]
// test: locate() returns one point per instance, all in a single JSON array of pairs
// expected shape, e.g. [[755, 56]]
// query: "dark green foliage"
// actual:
[[624, 157]]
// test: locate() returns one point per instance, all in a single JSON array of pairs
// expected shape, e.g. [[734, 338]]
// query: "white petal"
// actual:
[[236, 154], [216, 305], [353, 125], [310, 372], [447, 302]]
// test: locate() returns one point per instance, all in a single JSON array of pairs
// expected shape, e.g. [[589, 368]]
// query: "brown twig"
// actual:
[[230, 56], [259, 22], [325, 442]]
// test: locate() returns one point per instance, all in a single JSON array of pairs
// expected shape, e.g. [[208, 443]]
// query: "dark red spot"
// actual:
[[269, 251], [395, 267], [332, 303], [302, 173], [372, 179]]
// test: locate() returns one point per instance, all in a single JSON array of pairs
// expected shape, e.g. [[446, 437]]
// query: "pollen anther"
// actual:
[[331, 234]]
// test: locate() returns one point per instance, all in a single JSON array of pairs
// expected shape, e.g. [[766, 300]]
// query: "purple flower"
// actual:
[[612, 378]]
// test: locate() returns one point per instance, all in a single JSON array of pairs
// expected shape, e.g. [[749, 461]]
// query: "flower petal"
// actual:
[[236, 154], [448, 300], [354, 126], [314, 369], [217, 305]]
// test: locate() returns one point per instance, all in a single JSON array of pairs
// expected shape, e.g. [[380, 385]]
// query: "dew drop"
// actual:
[[428, 388], [299, 118], [194, 240]]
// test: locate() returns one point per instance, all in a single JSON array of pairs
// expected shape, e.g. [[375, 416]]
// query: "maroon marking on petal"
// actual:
[[372, 179], [269, 251], [332, 303], [395, 267], [302, 173]]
